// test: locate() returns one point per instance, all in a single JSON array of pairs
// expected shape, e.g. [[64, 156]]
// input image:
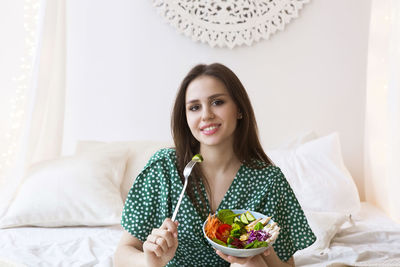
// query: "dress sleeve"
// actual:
[[295, 233], [148, 201]]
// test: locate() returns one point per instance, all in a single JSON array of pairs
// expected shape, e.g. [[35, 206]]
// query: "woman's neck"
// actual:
[[218, 158], [219, 168]]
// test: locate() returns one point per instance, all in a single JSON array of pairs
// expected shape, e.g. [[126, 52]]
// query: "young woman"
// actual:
[[212, 116]]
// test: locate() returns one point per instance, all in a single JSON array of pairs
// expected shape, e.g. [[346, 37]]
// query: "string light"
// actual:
[[21, 81]]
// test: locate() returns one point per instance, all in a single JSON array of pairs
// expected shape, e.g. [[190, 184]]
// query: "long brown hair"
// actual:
[[246, 145]]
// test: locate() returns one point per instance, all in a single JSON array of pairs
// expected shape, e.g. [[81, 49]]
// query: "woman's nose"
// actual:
[[207, 114]]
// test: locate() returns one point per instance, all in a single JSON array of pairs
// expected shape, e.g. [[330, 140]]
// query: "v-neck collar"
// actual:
[[222, 204]]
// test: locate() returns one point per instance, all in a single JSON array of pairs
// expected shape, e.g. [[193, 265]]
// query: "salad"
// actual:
[[242, 231]]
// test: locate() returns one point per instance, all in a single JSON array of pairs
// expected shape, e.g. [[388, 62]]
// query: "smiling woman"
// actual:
[[212, 116]]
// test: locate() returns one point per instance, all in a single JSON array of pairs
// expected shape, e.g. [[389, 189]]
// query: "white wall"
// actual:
[[125, 64]]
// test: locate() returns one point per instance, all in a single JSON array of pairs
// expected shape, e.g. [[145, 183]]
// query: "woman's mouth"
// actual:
[[211, 129]]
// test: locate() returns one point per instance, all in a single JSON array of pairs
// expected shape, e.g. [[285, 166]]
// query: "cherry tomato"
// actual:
[[223, 232]]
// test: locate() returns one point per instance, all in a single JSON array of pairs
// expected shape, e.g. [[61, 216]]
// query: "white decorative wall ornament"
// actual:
[[229, 23]]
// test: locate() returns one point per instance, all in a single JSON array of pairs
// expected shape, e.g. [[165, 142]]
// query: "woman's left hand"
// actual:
[[252, 261]]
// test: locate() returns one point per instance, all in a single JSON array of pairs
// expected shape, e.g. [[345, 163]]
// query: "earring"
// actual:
[[240, 116]]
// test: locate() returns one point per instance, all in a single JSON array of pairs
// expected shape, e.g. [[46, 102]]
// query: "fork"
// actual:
[[186, 173]]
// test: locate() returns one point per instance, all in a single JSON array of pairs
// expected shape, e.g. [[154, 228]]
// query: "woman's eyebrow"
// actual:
[[215, 96], [209, 98]]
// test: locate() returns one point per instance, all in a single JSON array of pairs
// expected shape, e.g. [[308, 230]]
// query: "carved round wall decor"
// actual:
[[229, 23]]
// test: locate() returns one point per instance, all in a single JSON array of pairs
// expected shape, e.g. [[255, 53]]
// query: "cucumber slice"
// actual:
[[197, 158], [250, 216], [243, 218]]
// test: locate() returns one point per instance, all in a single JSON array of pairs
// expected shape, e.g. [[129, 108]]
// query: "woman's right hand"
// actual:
[[160, 246]]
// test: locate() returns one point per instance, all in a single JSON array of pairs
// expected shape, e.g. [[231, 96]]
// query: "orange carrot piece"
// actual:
[[211, 226]]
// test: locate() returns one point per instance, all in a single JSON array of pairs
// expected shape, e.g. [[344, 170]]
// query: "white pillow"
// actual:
[[139, 154], [75, 190], [322, 184], [318, 176]]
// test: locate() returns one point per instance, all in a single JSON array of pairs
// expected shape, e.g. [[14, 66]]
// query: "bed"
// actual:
[[373, 240], [67, 210]]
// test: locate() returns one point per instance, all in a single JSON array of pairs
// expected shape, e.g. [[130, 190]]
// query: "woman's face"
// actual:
[[211, 113]]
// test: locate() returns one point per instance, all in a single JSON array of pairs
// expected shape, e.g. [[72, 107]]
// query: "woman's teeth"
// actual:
[[210, 128]]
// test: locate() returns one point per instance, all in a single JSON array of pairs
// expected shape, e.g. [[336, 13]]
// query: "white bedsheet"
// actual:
[[66, 246], [373, 240]]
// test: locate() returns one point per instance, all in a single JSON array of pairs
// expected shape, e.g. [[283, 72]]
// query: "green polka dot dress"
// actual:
[[156, 190]]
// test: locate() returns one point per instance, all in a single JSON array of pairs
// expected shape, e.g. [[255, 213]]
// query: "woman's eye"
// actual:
[[194, 107], [217, 102]]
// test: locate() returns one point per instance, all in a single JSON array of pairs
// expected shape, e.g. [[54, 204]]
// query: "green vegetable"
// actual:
[[229, 240], [250, 245], [250, 216], [216, 240], [236, 230], [243, 218], [259, 244], [236, 226], [258, 226], [226, 216], [238, 222], [235, 233], [197, 158]]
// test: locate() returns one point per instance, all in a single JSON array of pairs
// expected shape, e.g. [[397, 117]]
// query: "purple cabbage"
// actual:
[[259, 235]]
